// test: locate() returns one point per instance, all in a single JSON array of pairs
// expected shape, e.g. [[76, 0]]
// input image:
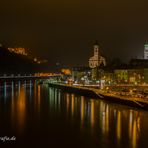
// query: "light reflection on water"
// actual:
[[115, 124], [82, 111], [18, 107]]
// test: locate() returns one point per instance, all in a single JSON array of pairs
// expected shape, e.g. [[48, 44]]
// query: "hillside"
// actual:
[[15, 63]]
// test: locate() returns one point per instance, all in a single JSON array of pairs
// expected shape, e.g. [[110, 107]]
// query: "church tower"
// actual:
[[97, 59], [96, 50], [146, 51]]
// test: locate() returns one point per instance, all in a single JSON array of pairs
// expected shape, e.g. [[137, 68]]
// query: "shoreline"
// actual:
[[95, 93]]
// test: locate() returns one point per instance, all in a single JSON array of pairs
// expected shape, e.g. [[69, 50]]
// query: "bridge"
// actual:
[[19, 77]]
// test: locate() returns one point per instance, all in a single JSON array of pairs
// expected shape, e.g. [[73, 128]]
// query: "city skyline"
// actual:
[[60, 31]]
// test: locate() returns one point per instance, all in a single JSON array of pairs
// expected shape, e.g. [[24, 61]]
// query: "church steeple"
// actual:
[[96, 49], [97, 59]]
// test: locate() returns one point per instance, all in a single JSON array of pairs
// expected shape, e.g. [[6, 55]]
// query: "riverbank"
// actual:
[[96, 93]]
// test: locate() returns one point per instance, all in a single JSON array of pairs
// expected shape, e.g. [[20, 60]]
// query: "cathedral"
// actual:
[[97, 59]]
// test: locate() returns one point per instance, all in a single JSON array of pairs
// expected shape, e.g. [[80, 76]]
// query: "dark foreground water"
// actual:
[[37, 115]]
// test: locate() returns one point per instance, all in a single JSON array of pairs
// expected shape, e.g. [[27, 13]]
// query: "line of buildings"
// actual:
[[99, 71]]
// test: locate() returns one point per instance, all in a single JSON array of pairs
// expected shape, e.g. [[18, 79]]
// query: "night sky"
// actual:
[[65, 31]]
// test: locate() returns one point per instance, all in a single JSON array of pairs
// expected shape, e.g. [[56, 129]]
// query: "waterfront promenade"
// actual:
[[105, 95]]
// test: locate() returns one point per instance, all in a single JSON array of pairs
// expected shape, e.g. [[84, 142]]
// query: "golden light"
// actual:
[[66, 71]]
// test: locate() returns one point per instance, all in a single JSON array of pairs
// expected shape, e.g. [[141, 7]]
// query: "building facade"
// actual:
[[81, 74], [97, 59], [146, 51], [131, 76]]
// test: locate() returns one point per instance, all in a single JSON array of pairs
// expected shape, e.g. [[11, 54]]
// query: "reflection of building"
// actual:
[[97, 59]]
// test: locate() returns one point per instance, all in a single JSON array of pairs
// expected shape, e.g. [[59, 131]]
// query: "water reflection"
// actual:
[[12, 103], [82, 111], [54, 96], [5, 90], [134, 127], [39, 98], [18, 107], [119, 128], [21, 107], [104, 117], [67, 103], [30, 86], [19, 87], [92, 110], [114, 124], [59, 100], [12, 89], [109, 117], [72, 105]]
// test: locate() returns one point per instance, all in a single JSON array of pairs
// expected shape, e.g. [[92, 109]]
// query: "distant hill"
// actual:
[[15, 63]]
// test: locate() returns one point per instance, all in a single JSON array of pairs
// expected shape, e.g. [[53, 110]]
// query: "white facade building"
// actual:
[[97, 59], [146, 51]]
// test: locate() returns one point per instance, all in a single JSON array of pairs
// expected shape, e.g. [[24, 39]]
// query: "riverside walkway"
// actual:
[[104, 95]]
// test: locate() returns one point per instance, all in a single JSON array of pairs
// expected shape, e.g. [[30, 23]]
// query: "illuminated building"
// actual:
[[108, 77], [23, 51], [20, 50], [81, 74], [121, 75], [146, 51], [66, 71], [97, 59], [131, 76], [146, 75], [96, 62], [35, 59]]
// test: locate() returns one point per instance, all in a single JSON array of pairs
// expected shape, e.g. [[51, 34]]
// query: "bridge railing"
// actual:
[[15, 76], [7, 76]]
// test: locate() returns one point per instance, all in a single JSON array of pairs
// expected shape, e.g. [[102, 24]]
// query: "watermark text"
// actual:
[[6, 138]]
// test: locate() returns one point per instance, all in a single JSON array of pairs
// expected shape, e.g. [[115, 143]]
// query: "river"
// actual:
[[38, 115]]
